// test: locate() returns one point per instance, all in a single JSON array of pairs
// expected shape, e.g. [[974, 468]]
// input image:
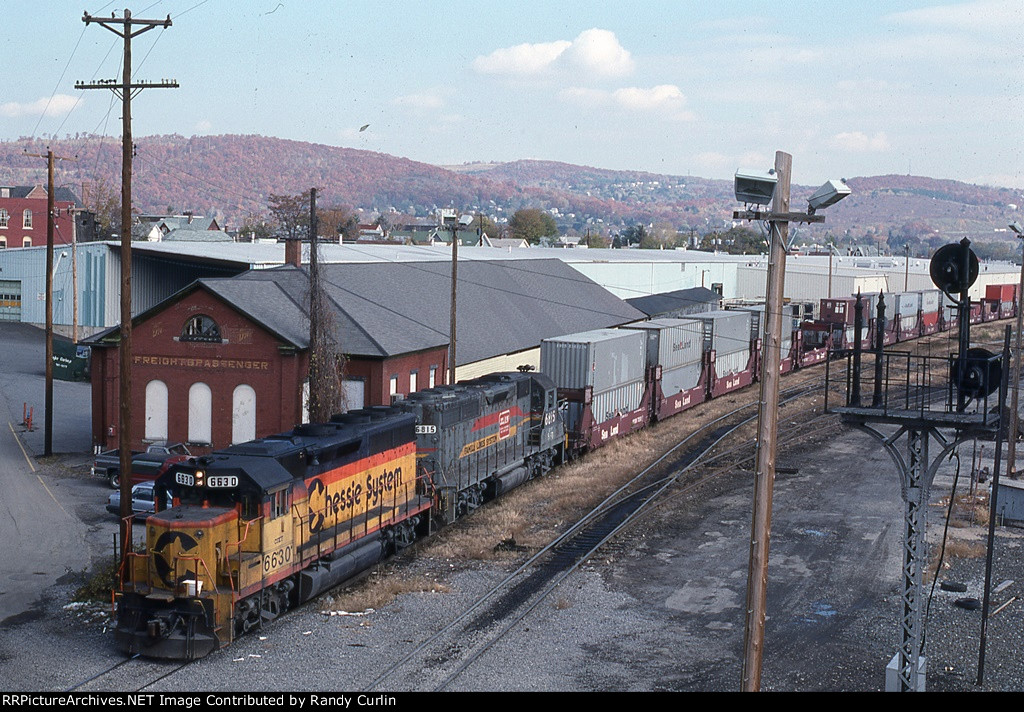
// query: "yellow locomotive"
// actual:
[[245, 533]]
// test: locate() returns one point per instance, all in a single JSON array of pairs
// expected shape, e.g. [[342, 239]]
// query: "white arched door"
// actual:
[[243, 414], [200, 414], [156, 410]]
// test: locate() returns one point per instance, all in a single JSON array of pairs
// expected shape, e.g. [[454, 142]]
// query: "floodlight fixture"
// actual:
[[828, 194], [1015, 226], [755, 187], [466, 220]]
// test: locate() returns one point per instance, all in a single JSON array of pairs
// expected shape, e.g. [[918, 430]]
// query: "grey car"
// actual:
[[142, 501]]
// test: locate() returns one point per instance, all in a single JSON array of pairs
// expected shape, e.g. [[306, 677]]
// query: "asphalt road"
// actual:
[[42, 536]]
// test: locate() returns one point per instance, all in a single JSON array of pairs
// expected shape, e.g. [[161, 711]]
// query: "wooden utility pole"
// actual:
[[50, 215], [1011, 457], [455, 282], [764, 477], [126, 89], [778, 219]]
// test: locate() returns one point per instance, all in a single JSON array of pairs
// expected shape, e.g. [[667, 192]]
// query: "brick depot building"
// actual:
[[226, 360]]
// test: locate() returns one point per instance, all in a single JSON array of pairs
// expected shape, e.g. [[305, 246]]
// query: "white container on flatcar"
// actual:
[[603, 359], [930, 300], [907, 304], [872, 304], [617, 401], [677, 345], [672, 342], [728, 364], [727, 332], [790, 322]]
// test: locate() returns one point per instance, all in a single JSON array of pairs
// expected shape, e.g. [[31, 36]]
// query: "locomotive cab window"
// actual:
[[278, 503]]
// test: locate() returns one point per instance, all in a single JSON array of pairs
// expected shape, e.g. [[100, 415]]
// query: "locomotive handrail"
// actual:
[[238, 544]]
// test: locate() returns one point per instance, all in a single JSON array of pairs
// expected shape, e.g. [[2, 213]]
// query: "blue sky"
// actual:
[[689, 88]]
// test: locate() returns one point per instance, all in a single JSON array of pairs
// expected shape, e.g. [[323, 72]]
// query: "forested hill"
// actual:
[[231, 177]]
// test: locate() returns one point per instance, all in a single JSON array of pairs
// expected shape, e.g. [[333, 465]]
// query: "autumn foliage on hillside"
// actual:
[[232, 178]]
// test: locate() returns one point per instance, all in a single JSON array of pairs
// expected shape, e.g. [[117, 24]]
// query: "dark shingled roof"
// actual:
[[679, 302], [63, 195], [387, 309]]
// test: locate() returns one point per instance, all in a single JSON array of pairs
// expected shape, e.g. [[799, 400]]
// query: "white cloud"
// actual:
[[60, 104], [665, 99], [860, 142], [521, 60], [203, 125], [599, 51], [595, 51]]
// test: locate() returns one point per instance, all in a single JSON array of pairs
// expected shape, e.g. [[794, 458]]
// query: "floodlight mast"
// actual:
[[751, 183]]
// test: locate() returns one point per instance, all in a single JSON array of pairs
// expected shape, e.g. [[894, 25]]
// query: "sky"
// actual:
[[682, 87]]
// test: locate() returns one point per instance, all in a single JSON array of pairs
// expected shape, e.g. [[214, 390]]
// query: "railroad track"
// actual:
[[436, 662], [133, 674]]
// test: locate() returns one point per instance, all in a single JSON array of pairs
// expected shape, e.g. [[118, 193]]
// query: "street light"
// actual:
[[759, 188], [1011, 457]]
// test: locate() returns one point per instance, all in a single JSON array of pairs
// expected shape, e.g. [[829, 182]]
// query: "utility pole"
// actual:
[[906, 267], [455, 280], [50, 214], [1018, 303], [764, 477], [125, 90], [768, 407]]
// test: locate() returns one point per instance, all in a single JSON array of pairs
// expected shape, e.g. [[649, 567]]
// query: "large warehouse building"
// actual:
[[226, 360]]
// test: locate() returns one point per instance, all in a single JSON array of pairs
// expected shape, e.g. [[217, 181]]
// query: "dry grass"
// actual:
[[378, 590]]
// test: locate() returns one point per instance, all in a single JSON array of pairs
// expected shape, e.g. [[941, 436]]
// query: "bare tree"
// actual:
[[326, 362]]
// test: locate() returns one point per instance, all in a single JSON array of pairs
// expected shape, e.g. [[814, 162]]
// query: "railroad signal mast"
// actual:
[[943, 401], [126, 29]]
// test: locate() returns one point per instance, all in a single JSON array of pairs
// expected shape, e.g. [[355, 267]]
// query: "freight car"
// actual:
[[245, 533]]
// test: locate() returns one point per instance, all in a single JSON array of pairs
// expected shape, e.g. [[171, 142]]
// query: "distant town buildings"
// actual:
[[23, 216]]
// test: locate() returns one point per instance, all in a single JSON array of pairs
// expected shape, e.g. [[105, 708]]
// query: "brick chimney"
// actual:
[[293, 252]]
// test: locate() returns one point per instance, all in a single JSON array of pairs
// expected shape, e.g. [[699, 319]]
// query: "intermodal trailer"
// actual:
[[676, 365]]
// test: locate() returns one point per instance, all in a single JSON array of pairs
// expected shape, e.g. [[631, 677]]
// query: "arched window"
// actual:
[[201, 328], [26, 219], [156, 410], [200, 414], [26, 242], [243, 414], [3, 242]]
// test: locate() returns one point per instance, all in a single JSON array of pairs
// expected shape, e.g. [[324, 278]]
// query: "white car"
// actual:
[[142, 501]]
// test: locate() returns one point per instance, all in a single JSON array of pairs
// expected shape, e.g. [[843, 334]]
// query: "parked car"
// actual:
[[108, 462], [143, 503]]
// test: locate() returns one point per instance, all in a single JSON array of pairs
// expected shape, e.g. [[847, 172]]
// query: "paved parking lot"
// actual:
[[44, 531]]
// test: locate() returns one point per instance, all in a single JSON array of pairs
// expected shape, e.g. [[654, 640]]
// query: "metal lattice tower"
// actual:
[[945, 399]]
